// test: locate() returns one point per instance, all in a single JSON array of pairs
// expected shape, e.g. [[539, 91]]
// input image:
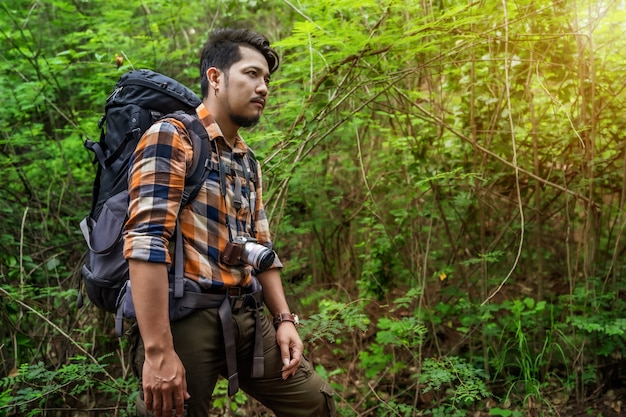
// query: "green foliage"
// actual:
[[599, 321], [37, 387], [455, 168], [466, 382], [407, 332], [224, 403], [504, 413], [335, 321]]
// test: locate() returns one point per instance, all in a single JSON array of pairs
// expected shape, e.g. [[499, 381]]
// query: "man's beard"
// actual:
[[242, 121]]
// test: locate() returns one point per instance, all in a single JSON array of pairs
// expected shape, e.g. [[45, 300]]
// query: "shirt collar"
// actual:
[[214, 131]]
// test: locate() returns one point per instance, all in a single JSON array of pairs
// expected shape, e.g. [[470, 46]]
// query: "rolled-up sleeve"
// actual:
[[155, 186]]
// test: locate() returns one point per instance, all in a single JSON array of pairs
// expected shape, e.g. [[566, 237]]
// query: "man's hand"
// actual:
[[287, 336], [163, 375], [290, 348], [163, 380]]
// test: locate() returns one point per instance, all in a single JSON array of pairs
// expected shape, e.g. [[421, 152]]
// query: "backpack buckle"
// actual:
[[234, 291]]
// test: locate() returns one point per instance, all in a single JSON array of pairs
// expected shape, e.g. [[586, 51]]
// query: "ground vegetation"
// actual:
[[446, 182]]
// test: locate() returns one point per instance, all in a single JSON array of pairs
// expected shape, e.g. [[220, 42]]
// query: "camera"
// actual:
[[245, 250]]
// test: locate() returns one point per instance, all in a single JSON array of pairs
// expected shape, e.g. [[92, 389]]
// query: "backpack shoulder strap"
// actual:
[[202, 161]]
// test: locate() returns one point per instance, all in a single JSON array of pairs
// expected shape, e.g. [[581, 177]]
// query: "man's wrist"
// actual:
[[286, 317]]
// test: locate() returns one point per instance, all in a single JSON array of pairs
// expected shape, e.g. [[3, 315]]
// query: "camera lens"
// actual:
[[258, 256]]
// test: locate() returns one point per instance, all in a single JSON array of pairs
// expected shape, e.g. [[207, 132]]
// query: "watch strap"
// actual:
[[281, 317]]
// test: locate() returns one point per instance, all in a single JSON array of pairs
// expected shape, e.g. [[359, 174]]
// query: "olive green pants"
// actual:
[[199, 343]]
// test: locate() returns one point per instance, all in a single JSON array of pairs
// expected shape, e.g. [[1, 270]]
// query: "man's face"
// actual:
[[246, 88]]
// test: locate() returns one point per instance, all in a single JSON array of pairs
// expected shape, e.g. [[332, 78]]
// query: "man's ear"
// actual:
[[213, 76]]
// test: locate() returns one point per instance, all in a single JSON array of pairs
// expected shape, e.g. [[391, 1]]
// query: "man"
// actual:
[[179, 361]]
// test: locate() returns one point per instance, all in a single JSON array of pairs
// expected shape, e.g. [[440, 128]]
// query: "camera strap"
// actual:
[[222, 175], [251, 195], [237, 197]]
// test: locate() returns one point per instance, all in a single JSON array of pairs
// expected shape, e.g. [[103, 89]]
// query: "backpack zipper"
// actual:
[[163, 87], [114, 93]]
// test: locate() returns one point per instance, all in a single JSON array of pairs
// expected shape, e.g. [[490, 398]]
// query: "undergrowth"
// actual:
[[382, 360]]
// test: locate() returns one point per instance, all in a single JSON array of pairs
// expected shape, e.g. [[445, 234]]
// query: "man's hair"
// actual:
[[222, 50]]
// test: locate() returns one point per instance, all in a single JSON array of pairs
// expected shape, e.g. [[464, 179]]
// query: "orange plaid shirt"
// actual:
[[155, 186]]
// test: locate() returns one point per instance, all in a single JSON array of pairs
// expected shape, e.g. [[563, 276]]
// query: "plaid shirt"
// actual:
[[155, 186]]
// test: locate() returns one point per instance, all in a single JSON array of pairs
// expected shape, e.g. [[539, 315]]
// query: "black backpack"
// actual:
[[139, 99]]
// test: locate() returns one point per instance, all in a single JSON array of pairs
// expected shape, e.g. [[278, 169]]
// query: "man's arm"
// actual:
[[163, 375], [287, 336]]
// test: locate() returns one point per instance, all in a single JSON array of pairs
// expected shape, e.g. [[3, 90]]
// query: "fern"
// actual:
[[35, 385], [334, 320], [465, 381]]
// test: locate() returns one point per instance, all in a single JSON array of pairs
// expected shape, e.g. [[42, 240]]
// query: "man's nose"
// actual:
[[262, 88]]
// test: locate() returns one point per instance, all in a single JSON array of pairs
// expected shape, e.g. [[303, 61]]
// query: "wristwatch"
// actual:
[[292, 317]]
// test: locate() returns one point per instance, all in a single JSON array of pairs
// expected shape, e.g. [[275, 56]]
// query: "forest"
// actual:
[[445, 182]]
